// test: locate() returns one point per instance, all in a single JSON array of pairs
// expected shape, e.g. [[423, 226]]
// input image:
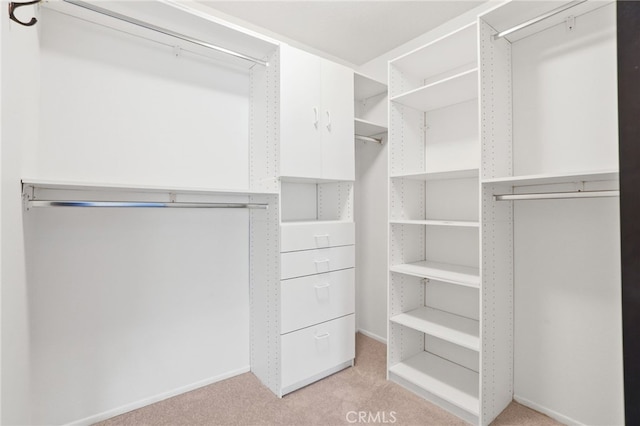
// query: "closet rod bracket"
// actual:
[[12, 8]]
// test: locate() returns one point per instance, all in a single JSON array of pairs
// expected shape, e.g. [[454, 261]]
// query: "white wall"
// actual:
[[371, 238], [102, 310], [19, 130]]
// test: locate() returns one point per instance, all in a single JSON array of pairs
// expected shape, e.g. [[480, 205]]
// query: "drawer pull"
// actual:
[[319, 286], [321, 336], [321, 262], [322, 240]]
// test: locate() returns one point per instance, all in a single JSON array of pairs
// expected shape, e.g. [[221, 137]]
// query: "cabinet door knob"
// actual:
[[316, 118], [328, 120]]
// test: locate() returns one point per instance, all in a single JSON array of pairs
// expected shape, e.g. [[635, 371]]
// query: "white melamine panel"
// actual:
[[368, 128], [451, 382], [311, 235], [444, 325], [315, 349], [555, 178], [308, 262], [456, 245], [335, 201], [450, 174], [366, 87], [452, 138], [316, 298], [299, 201], [301, 114], [120, 109], [406, 135], [338, 150], [453, 223], [452, 199], [565, 97], [115, 296], [457, 354], [568, 336], [442, 93], [457, 299], [454, 274]]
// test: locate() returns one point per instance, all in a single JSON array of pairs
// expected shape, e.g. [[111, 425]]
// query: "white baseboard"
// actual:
[[373, 336], [551, 413], [156, 398]]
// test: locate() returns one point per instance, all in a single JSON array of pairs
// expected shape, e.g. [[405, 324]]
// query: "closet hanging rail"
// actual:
[[146, 25], [369, 139], [165, 31], [537, 19], [556, 195], [145, 204]]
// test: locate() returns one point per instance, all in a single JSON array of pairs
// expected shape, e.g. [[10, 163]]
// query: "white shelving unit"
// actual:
[[434, 223], [550, 127], [370, 98]]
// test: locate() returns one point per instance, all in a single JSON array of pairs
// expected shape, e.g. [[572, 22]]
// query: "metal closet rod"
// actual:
[[557, 195], [165, 31], [537, 19], [146, 204], [369, 139]]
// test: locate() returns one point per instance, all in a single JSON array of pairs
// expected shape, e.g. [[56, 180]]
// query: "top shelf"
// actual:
[[449, 91], [451, 51], [555, 178], [366, 87], [116, 187]]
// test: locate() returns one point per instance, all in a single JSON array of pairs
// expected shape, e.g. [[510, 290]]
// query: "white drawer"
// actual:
[[308, 262], [311, 235], [316, 349], [316, 298]]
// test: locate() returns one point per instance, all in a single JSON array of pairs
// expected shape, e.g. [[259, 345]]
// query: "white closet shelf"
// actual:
[[445, 272], [119, 187], [297, 179], [451, 382], [451, 51], [554, 178], [444, 325], [448, 91], [368, 128], [366, 87], [312, 222], [448, 174], [430, 222]]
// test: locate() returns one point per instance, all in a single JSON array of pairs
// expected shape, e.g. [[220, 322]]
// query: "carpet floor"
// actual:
[[336, 400]]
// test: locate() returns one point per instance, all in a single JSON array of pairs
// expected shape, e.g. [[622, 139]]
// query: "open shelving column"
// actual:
[[434, 223]]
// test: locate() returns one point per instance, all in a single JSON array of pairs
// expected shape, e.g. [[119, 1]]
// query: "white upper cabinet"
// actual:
[[316, 118]]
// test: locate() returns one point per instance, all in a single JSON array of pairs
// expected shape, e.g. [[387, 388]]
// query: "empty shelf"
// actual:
[[553, 178], [449, 91], [444, 325], [451, 382], [367, 128], [449, 174], [455, 223], [454, 274], [367, 87]]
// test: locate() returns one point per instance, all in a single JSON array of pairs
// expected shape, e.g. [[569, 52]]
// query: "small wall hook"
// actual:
[[13, 6]]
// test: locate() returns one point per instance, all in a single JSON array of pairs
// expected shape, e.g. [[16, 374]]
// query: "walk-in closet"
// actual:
[[218, 212]]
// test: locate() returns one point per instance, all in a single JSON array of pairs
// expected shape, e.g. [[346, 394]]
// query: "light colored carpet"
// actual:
[[336, 400]]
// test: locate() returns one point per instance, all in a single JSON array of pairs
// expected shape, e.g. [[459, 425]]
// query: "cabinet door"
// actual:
[[300, 109], [338, 148]]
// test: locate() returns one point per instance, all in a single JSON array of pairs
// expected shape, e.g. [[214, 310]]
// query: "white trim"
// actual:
[[156, 398], [544, 410], [372, 335]]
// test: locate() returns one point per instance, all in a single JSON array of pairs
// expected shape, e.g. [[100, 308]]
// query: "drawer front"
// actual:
[[312, 350], [308, 262], [316, 298], [306, 236]]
